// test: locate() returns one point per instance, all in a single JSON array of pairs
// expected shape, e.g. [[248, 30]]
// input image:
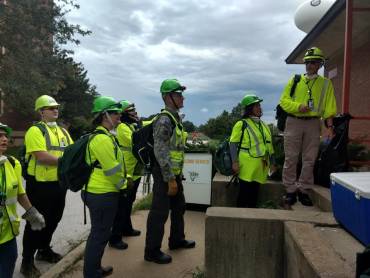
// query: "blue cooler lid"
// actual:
[[357, 182]]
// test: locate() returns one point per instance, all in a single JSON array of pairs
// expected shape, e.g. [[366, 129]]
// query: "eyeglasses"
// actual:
[[51, 108], [313, 62]]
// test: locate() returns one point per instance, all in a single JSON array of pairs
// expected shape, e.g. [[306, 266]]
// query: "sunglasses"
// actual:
[[51, 108], [312, 62]]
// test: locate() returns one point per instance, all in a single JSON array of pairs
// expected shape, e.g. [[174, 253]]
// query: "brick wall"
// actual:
[[359, 91]]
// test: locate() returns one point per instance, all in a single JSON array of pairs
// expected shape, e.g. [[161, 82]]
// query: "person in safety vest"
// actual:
[[122, 223], [251, 151], [11, 192], [101, 194], [168, 192], [312, 100], [45, 143]]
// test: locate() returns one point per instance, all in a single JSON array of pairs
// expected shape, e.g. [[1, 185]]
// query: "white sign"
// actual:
[[198, 174]]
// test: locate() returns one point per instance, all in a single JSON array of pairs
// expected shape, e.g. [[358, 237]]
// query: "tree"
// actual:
[[33, 34], [189, 126]]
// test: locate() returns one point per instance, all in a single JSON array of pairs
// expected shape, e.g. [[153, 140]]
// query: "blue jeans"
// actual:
[[8, 257]]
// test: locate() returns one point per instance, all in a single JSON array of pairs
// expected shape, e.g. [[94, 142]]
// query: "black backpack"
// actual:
[[73, 170], [22, 152], [281, 115], [223, 160], [142, 142]]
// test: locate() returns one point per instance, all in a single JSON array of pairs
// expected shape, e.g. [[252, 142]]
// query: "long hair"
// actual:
[[248, 110], [98, 120]]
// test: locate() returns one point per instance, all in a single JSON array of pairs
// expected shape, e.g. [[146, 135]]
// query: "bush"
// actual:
[[144, 203]]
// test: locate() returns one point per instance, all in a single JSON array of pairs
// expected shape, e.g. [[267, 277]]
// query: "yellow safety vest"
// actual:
[[256, 148], [124, 137], [177, 146], [9, 222], [322, 95], [110, 175], [56, 140]]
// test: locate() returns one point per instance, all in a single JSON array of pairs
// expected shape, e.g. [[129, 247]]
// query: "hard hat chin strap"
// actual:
[[173, 102], [113, 129]]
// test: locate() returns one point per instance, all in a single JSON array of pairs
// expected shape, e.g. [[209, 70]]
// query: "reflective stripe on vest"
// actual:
[[113, 170], [320, 109], [50, 147], [261, 148], [176, 146]]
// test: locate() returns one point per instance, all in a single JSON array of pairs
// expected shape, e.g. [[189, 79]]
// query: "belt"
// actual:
[[304, 117]]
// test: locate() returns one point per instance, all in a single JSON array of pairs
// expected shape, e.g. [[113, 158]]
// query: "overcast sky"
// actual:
[[220, 50]]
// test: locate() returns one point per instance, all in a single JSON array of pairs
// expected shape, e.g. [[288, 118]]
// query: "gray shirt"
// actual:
[[162, 132]]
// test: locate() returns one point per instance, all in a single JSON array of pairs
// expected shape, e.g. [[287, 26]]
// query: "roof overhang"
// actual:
[[328, 33]]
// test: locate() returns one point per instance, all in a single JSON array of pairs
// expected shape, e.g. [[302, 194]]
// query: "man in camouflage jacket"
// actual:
[[169, 140]]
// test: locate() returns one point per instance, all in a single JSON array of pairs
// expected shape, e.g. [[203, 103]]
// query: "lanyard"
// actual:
[[3, 186], [309, 91]]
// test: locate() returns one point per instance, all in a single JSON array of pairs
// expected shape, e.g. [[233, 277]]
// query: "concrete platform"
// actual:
[[130, 263]]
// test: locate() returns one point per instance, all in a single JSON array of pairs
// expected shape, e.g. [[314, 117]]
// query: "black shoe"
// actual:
[[132, 233], [120, 245], [158, 257], [48, 255], [186, 244], [290, 199], [29, 270], [305, 199], [106, 270]]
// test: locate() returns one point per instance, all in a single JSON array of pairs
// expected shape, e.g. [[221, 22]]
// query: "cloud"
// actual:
[[219, 50], [204, 110]]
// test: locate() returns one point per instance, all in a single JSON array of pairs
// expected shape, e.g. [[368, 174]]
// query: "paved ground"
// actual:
[[130, 262]]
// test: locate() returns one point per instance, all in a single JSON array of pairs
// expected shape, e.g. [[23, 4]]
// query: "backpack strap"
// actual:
[[11, 160], [297, 78], [244, 126]]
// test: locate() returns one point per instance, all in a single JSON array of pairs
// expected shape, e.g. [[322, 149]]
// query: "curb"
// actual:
[[67, 262]]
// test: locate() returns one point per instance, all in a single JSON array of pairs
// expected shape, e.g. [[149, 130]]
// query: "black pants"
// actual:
[[103, 208], [248, 194], [49, 199], [122, 222], [158, 214]]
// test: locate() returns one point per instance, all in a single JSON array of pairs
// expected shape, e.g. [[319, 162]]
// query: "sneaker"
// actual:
[[48, 255], [158, 257], [305, 199], [120, 245], [29, 270], [185, 244]]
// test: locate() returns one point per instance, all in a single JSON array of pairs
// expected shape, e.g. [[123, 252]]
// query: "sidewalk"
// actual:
[[130, 263]]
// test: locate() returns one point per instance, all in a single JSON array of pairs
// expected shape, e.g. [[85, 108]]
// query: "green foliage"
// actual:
[[221, 126], [198, 273], [33, 34], [268, 205], [144, 203], [189, 126]]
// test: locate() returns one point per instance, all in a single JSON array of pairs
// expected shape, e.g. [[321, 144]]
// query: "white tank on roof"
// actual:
[[310, 12]]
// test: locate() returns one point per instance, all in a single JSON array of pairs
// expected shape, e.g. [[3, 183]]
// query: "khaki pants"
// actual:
[[300, 136]]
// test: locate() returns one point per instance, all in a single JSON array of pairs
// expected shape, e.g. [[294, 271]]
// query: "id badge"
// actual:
[[310, 104]]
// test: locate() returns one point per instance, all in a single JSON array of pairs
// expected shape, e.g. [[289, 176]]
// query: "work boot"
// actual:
[[106, 270], [289, 200], [304, 199], [29, 270], [132, 233], [120, 245], [185, 244], [48, 255], [158, 257]]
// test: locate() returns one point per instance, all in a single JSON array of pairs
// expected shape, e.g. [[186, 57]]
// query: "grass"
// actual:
[[198, 273], [144, 203], [268, 205]]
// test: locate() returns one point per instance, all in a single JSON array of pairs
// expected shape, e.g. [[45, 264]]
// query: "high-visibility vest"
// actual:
[[110, 175], [124, 137], [177, 145], [256, 148], [56, 140], [9, 222]]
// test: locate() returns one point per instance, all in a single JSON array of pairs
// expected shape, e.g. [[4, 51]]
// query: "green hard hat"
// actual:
[[106, 104], [171, 86], [126, 105], [314, 53], [250, 99], [45, 101], [6, 128]]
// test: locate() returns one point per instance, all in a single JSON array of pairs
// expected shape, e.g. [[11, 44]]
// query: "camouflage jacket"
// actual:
[[162, 132]]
